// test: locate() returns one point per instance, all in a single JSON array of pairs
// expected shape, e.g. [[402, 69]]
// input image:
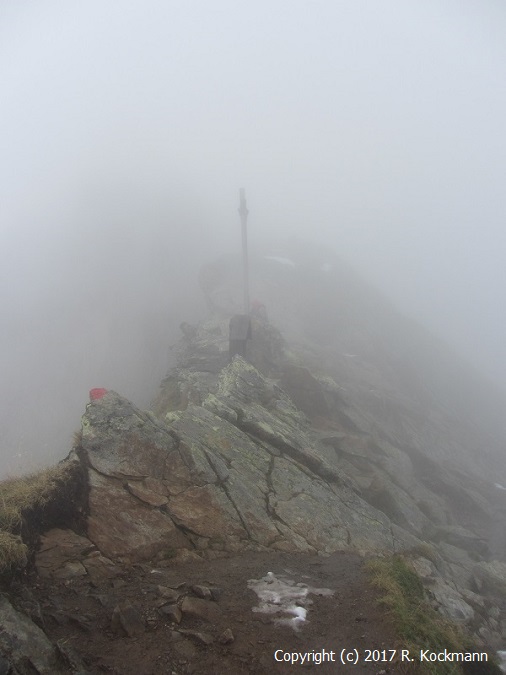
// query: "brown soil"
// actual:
[[79, 613]]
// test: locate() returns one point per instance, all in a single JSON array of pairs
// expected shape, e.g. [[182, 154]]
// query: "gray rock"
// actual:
[[201, 609], [216, 592], [395, 503], [127, 619], [169, 594], [227, 637], [261, 483], [172, 612], [125, 529], [459, 536], [71, 658], [25, 646], [202, 592], [425, 569], [451, 603], [198, 636], [99, 567], [220, 408], [490, 577]]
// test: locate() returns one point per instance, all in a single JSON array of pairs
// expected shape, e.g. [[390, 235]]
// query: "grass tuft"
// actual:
[[18, 496], [13, 553], [418, 625]]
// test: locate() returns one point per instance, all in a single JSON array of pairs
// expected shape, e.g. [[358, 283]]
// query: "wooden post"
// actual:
[[243, 212]]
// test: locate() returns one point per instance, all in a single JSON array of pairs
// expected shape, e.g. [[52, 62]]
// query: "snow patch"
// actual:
[[279, 259], [283, 596]]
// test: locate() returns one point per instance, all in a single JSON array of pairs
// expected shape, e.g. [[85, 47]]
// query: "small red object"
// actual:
[[95, 394]]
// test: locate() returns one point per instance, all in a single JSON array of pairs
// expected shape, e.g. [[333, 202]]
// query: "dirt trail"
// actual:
[[79, 613]]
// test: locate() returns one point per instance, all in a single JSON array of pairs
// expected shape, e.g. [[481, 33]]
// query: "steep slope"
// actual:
[[405, 382]]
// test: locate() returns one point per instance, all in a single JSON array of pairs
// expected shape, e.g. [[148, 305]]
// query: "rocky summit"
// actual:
[[286, 461]]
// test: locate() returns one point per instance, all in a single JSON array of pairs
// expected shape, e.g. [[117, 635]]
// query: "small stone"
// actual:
[[201, 609], [172, 612], [81, 620], [103, 600], [168, 593], [127, 618], [226, 637], [198, 636], [69, 655], [216, 593], [202, 592]]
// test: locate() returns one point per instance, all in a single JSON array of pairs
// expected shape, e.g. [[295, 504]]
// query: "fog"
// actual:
[[127, 128]]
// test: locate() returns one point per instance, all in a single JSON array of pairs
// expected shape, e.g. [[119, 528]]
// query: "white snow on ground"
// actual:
[[279, 259], [280, 595]]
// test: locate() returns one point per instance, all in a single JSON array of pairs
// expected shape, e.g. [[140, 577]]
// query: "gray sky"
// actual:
[[126, 129]]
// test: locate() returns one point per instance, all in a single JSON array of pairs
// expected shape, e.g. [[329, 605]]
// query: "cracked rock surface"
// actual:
[[260, 457], [201, 482]]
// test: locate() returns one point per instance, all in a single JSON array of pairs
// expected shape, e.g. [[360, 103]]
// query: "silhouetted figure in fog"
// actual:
[[258, 310], [239, 334]]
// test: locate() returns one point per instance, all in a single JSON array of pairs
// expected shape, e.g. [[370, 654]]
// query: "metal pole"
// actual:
[[243, 212]]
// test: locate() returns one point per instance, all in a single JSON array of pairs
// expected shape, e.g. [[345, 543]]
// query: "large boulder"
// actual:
[[240, 471], [129, 455], [490, 578]]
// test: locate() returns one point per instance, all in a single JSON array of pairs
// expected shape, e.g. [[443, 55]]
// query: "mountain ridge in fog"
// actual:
[[125, 328], [352, 331]]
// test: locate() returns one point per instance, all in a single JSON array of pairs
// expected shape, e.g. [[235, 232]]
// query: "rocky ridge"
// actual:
[[269, 456]]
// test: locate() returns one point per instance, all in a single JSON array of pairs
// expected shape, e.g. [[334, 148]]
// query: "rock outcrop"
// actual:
[[25, 647], [267, 454], [204, 483], [231, 463]]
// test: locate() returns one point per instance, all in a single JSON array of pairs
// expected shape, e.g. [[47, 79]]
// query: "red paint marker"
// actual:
[[95, 394]]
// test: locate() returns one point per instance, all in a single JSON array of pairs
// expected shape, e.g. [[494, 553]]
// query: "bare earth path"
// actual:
[[80, 613]]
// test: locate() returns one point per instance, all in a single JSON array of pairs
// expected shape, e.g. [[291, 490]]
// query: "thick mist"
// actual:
[[126, 129], [98, 303]]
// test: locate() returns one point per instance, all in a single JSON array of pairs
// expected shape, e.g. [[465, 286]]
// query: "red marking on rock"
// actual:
[[95, 394]]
